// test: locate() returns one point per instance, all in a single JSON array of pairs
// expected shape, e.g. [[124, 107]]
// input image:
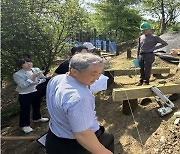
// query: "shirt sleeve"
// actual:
[[63, 67], [80, 115], [162, 42], [21, 82]]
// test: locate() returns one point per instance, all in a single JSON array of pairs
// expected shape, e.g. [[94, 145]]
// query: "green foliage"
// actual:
[[175, 27], [37, 29], [165, 11], [117, 20]]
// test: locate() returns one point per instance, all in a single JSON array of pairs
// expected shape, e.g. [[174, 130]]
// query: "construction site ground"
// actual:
[[146, 133]]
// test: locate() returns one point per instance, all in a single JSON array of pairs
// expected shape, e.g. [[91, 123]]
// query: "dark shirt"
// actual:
[[63, 67], [147, 43]]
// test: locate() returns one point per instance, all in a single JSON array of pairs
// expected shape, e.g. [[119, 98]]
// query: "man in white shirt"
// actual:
[[74, 128]]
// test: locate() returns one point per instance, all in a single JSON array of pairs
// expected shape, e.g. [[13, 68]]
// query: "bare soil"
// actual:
[[146, 133]]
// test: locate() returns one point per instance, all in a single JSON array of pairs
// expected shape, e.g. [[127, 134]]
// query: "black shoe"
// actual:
[[139, 84], [146, 83]]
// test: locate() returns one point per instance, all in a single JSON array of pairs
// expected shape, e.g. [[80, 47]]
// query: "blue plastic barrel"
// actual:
[[136, 62]]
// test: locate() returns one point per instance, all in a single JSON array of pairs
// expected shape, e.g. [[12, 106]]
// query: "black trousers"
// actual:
[[42, 87], [145, 62], [26, 101], [56, 145]]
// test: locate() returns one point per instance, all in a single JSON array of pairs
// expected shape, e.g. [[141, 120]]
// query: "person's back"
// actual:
[[74, 128], [63, 67], [70, 92]]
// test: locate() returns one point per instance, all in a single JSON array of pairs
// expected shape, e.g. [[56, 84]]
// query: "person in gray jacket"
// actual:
[[147, 44], [27, 78]]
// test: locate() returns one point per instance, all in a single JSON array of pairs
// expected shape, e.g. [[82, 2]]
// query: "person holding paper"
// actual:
[[27, 78], [74, 128]]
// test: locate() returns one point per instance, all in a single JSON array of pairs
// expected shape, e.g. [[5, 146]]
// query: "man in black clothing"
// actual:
[[64, 66]]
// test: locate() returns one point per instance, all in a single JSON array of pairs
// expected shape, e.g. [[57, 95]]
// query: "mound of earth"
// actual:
[[172, 38]]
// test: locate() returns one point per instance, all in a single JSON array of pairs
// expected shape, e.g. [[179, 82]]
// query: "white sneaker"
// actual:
[[27, 129], [42, 120]]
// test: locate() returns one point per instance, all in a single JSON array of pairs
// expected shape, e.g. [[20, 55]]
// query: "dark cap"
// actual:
[[80, 48]]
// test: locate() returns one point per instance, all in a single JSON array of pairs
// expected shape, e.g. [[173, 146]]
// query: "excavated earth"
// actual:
[[143, 132]]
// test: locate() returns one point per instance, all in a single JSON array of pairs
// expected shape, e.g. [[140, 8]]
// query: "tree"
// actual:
[[39, 29], [117, 19], [166, 11]]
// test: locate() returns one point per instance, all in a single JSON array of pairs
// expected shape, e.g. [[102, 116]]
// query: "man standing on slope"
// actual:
[[147, 45]]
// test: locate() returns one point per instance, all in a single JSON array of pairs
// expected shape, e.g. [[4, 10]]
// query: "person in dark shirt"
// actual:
[[147, 44], [64, 66]]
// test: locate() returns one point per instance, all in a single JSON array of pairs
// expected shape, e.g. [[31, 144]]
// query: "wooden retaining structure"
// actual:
[[116, 72], [120, 94], [129, 96], [121, 72]]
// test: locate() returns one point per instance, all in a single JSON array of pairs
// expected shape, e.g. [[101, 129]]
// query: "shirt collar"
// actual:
[[75, 81]]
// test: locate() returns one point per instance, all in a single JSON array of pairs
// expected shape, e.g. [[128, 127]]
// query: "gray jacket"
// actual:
[[21, 79]]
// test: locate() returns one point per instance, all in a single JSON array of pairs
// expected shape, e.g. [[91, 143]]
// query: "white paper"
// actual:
[[42, 139], [100, 84]]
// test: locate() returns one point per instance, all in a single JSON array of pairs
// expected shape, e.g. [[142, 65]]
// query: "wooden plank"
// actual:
[[18, 138], [106, 53], [155, 70], [120, 94]]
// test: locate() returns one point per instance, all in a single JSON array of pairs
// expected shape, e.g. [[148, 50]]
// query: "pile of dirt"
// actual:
[[172, 38], [146, 132]]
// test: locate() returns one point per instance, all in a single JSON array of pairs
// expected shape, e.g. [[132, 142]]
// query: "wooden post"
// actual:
[[133, 103], [107, 45], [118, 49], [128, 53], [77, 37], [102, 45], [109, 74], [95, 32], [80, 36], [88, 37]]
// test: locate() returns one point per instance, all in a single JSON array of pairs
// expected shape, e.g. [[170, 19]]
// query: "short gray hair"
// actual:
[[82, 61]]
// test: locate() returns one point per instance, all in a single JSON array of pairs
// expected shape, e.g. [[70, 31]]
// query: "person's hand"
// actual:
[[34, 83], [174, 52], [36, 74]]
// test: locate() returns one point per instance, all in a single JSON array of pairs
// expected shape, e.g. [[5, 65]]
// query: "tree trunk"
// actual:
[[95, 33], [163, 24]]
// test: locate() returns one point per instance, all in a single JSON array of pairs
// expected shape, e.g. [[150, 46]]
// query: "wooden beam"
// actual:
[[19, 138], [155, 70], [107, 53], [104, 56], [120, 94]]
